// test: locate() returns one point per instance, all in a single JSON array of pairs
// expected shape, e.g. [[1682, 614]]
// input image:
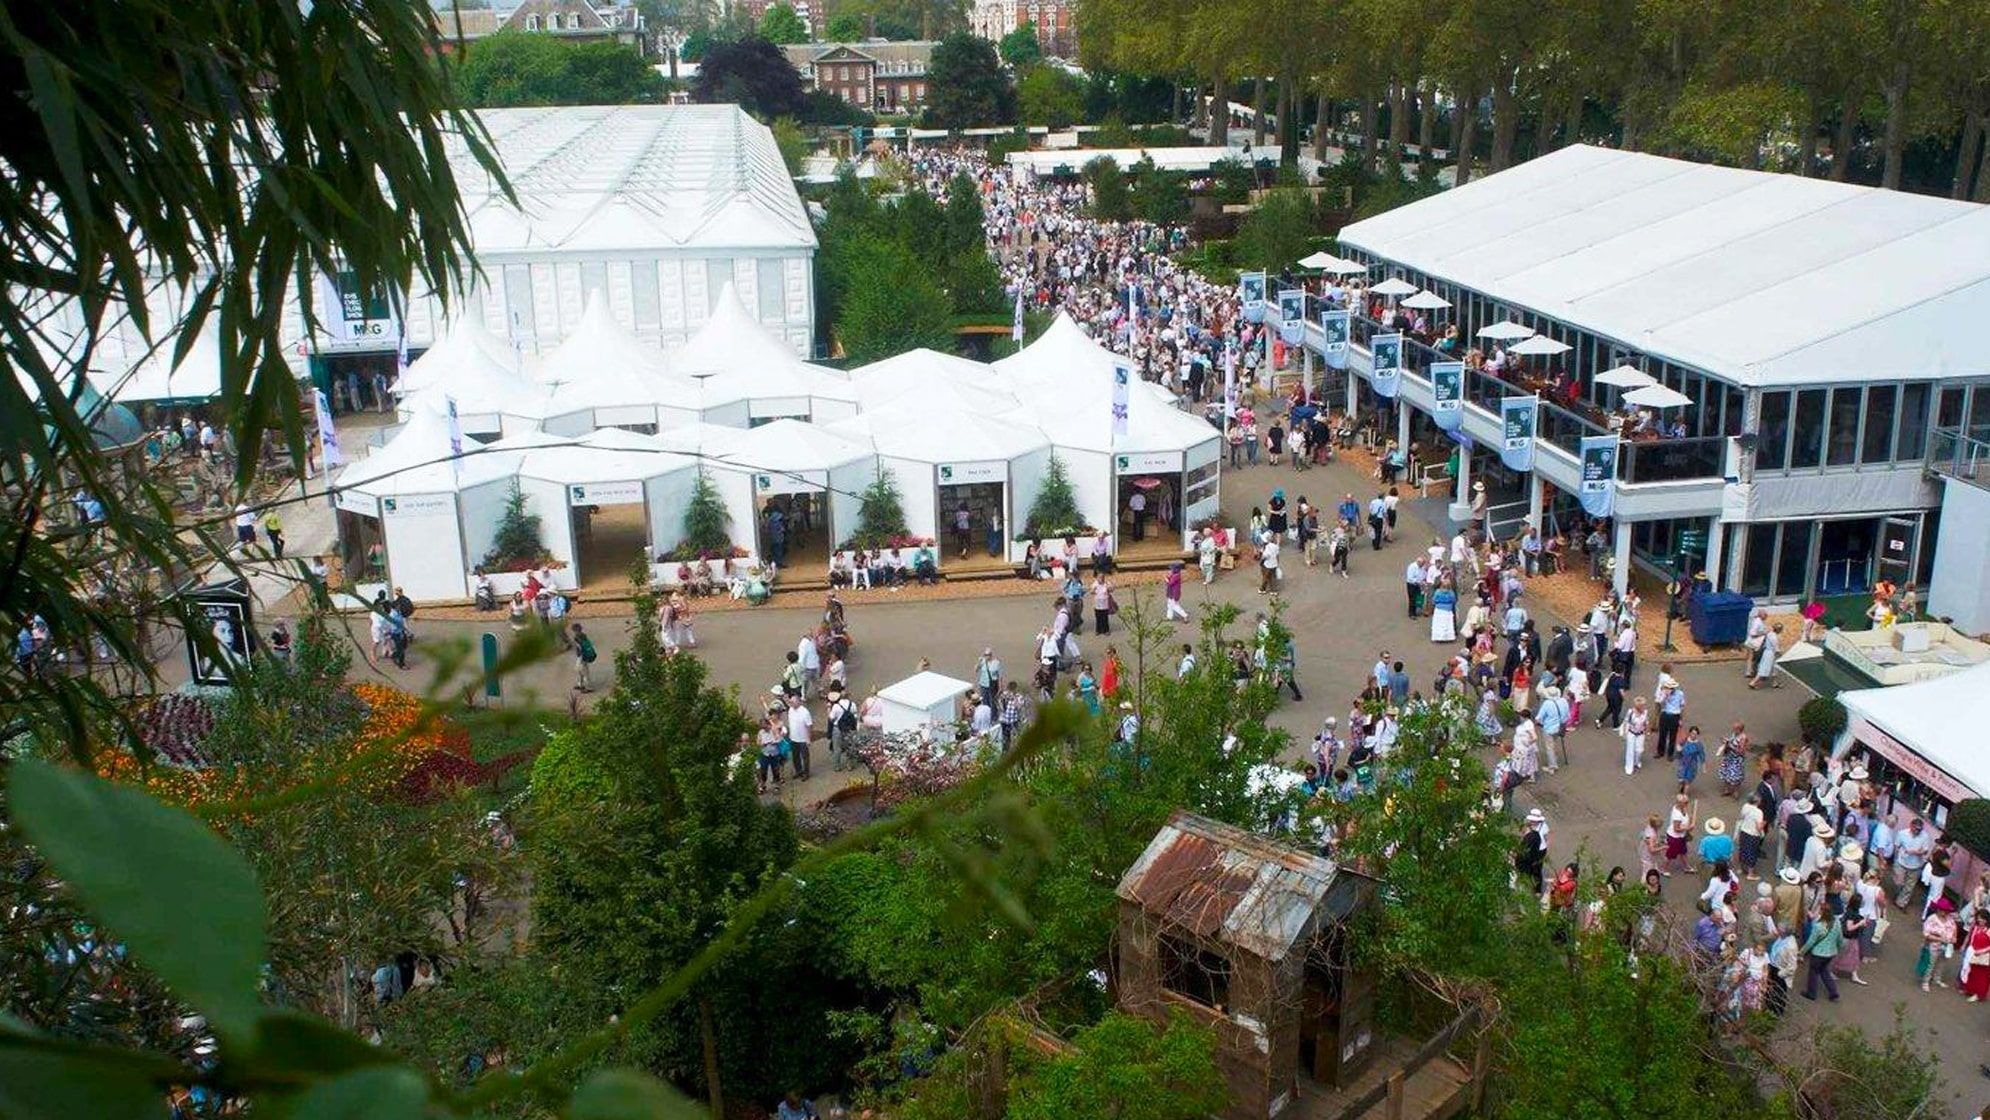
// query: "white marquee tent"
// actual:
[[603, 376], [736, 359], [1758, 278], [945, 455], [481, 374], [1927, 729], [791, 459]]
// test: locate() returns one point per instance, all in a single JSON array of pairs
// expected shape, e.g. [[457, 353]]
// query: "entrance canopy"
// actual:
[[609, 376], [1935, 719], [606, 456], [793, 448]]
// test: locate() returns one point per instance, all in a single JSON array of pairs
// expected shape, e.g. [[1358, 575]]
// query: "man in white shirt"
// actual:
[[801, 728], [1138, 504], [1187, 664], [1269, 561], [1911, 850], [810, 660]]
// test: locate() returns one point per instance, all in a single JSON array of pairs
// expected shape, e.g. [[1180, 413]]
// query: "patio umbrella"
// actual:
[[1539, 345], [1626, 377], [1318, 260], [1344, 267], [1657, 396], [1505, 330], [1393, 286], [1427, 301]]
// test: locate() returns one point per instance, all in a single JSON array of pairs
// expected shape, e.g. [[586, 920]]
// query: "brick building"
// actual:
[[568, 19], [1055, 21], [876, 75]]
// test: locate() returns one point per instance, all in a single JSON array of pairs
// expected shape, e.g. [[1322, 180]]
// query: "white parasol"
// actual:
[[1427, 301], [1505, 330], [1657, 396], [1539, 345], [1393, 286], [1626, 377]]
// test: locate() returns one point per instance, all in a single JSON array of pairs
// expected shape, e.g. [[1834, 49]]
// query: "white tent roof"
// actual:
[[602, 357], [158, 379], [710, 441], [1759, 278], [794, 445], [631, 178], [1935, 719], [1067, 391], [1066, 358], [609, 455], [924, 689], [734, 357], [926, 434], [474, 367], [1048, 160], [928, 377], [418, 460]]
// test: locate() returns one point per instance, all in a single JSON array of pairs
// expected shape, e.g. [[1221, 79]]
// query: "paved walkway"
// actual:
[[1340, 626]]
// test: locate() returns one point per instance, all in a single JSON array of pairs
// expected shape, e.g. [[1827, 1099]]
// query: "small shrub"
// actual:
[[1821, 719]]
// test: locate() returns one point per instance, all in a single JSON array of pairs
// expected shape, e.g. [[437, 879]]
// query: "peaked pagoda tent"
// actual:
[[946, 456], [603, 376], [1066, 382], [815, 475], [933, 378], [735, 358], [159, 380], [482, 375]]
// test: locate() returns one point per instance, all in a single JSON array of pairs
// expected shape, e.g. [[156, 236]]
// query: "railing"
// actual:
[[1671, 460], [1959, 454]]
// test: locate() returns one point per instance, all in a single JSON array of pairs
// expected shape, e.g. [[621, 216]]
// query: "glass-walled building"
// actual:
[[1823, 334]]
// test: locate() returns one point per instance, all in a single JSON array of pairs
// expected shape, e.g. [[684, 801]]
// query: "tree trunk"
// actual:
[[1288, 121], [1807, 143], [1219, 112], [1572, 119], [708, 1037], [1426, 125], [1369, 139], [1982, 193], [1841, 143], [1505, 121], [1258, 112], [1896, 129], [1175, 114], [1467, 135], [1399, 123], [1322, 126], [1965, 156]]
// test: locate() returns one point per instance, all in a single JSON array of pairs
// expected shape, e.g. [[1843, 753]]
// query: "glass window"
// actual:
[[643, 289], [1807, 444], [1913, 422], [1772, 451], [773, 291], [518, 299], [1793, 563], [1979, 410], [1878, 442], [718, 273], [1950, 413], [1759, 562], [593, 278], [1842, 444]]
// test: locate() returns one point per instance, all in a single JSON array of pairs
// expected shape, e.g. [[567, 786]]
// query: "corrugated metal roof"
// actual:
[[1228, 885]]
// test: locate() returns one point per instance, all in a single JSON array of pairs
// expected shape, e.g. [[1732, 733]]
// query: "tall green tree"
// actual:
[[1019, 48], [648, 834], [966, 86], [1048, 96], [844, 27], [782, 24], [753, 74], [891, 302], [1107, 180], [1158, 196], [521, 68]]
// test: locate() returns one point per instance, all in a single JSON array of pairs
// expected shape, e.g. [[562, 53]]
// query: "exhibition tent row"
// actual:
[[604, 440]]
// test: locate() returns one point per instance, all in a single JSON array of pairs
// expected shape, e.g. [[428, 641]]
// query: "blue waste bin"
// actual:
[[1720, 618]]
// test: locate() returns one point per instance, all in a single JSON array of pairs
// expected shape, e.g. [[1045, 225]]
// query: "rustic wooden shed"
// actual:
[[1249, 936]]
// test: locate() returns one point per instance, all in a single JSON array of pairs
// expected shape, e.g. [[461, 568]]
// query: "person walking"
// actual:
[[1827, 937], [988, 675], [1671, 700], [801, 731], [1011, 715], [809, 658], [843, 726], [1633, 730], [1268, 561], [584, 655], [273, 531], [1103, 604], [1765, 661], [1172, 593]]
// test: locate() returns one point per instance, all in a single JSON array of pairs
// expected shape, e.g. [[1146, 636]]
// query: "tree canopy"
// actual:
[[752, 73], [1019, 48], [844, 27], [520, 68], [1049, 96], [782, 24], [966, 86]]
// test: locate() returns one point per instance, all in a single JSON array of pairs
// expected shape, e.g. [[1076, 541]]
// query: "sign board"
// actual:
[[790, 482], [1598, 488], [960, 474], [354, 501], [1913, 765], [606, 494], [418, 505], [350, 314], [1149, 462], [223, 611]]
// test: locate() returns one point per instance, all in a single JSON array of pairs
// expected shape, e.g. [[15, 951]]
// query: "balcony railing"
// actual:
[[1962, 454], [1669, 460]]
